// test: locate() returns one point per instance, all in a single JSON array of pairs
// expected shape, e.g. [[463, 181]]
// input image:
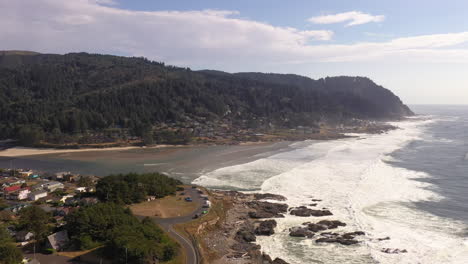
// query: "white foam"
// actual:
[[369, 194], [352, 178]]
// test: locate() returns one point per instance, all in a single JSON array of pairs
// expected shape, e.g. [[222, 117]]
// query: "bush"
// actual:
[[49, 251]]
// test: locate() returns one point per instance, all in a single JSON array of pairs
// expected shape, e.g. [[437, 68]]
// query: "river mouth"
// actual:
[[184, 163]]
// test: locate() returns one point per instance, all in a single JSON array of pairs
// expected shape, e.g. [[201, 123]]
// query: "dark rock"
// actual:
[[267, 210], [279, 261], [316, 200], [314, 204], [384, 238], [316, 228], [300, 232], [266, 228], [331, 224], [245, 235], [305, 212], [269, 196], [339, 240], [266, 258], [329, 234], [393, 250], [352, 235]]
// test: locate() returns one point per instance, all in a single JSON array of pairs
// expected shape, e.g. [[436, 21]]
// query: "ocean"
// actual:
[[409, 184]]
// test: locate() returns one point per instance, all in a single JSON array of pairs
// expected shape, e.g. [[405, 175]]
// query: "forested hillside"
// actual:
[[52, 97]]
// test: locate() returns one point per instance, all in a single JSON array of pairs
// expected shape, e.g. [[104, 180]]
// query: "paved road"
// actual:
[[168, 223]]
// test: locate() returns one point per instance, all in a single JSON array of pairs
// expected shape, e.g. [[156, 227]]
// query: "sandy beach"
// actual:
[[23, 151]]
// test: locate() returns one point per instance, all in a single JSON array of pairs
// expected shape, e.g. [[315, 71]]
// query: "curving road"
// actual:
[[191, 250]]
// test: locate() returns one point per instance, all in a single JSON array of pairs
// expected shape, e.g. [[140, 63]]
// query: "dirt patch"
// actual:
[[167, 207]]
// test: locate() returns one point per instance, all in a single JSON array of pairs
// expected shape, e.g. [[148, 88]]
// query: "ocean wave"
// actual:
[[354, 180]]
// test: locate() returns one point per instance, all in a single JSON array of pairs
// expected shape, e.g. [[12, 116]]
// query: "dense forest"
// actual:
[[125, 238], [53, 97], [133, 188]]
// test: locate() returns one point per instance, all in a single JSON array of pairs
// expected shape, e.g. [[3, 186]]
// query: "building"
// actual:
[[65, 197], [80, 189], [23, 236], [25, 174], [52, 186], [9, 190], [59, 240], [60, 175], [34, 196], [19, 195]]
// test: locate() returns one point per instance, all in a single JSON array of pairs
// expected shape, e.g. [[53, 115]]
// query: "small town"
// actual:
[[46, 199]]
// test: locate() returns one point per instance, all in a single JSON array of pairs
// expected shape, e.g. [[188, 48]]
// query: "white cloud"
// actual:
[[209, 38], [353, 18]]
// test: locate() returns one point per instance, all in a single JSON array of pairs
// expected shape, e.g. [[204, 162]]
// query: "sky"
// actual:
[[418, 48]]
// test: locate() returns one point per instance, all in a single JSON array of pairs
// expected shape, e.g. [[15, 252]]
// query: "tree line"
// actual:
[[65, 97]]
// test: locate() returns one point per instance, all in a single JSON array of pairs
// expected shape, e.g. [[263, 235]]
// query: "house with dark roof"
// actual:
[[59, 240]]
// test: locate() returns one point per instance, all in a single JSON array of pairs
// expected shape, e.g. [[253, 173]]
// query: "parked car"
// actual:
[[188, 199]]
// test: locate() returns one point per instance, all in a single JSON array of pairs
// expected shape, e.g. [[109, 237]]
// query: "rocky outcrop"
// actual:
[[344, 239], [301, 232], [339, 240], [266, 259], [266, 228], [306, 212], [269, 196], [267, 209], [394, 250], [245, 235], [331, 224]]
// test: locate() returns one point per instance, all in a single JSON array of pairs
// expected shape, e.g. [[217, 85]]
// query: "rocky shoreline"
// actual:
[[252, 215]]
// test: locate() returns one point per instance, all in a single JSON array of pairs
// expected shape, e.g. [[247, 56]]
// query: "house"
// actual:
[[70, 177], [80, 189], [59, 240], [52, 186], [23, 236], [25, 174], [61, 175], [65, 197], [9, 190], [19, 195], [34, 176], [34, 196]]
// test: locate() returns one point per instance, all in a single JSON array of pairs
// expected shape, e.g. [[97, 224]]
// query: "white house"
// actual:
[[23, 194], [53, 185], [34, 196], [25, 173], [65, 197], [80, 189]]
